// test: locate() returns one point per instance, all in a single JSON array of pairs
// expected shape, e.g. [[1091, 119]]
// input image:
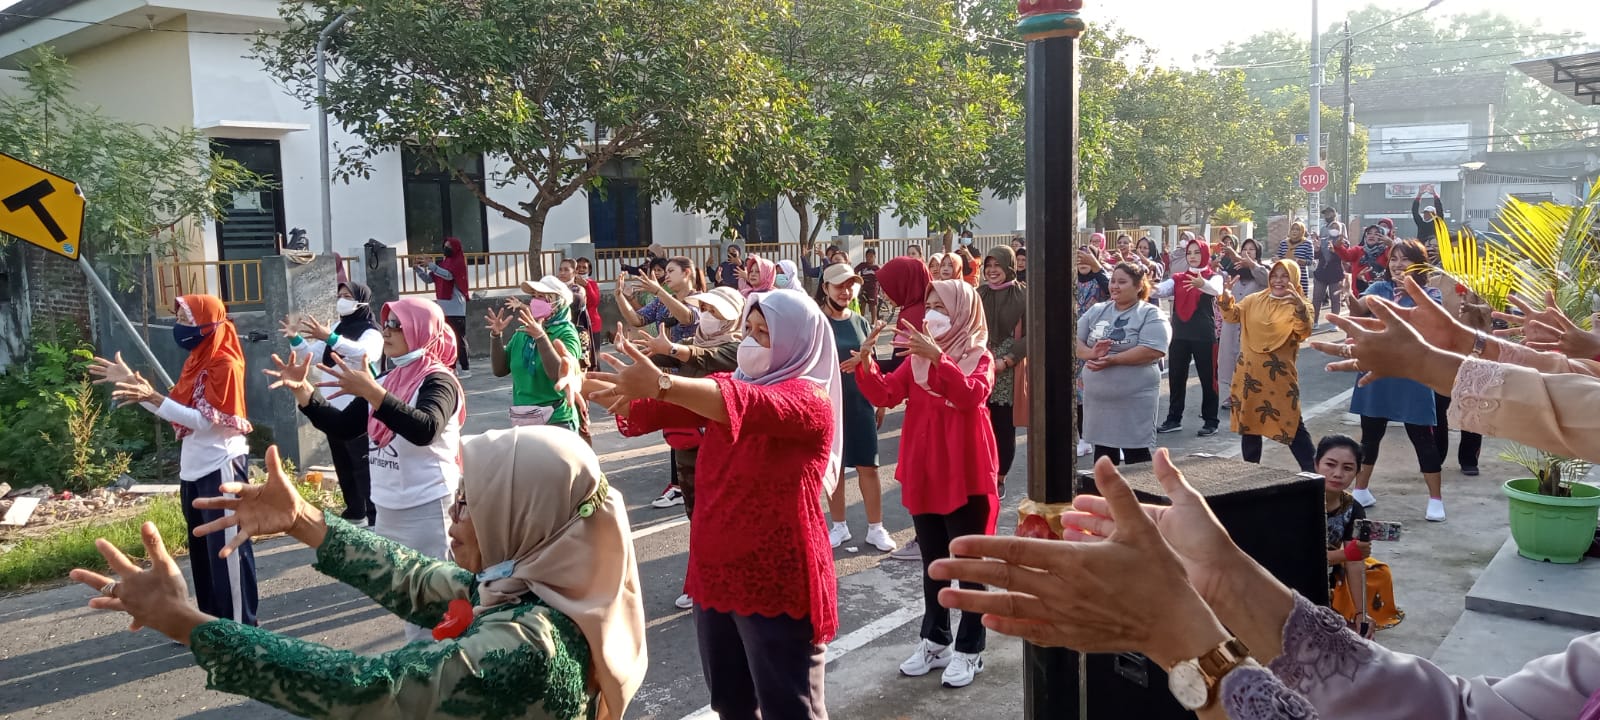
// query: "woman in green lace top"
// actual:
[[540, 616]]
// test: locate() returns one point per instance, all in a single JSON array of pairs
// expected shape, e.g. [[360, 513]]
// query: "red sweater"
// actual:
[[947, 449], [760, 545], [592, 295]]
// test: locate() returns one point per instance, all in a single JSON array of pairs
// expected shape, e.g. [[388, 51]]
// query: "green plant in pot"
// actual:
[[1541, 249]]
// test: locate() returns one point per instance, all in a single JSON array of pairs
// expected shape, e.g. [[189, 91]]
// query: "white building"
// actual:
[[185, 63]]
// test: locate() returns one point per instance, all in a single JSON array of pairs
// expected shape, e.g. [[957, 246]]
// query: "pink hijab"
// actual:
[[423, 325], [766, 272], [968, 339]]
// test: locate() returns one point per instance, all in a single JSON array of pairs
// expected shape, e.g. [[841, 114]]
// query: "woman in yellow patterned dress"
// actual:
[[1266, 384]]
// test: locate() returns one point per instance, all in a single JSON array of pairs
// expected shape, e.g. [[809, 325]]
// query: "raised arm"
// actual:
[[629, 314]]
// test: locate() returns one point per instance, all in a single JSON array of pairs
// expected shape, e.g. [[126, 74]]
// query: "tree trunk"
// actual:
[[535, 223], [800, 208]]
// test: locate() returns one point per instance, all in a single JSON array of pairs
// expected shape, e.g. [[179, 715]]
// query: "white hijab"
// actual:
[[802, 346]]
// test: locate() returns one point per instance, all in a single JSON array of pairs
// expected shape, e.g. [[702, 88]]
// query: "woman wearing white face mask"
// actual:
[[948, 458], [760, 568], [355, 338], [413, 415], [788, 277], [541, 357]]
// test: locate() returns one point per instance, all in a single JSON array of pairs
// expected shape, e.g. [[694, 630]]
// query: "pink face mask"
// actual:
[[540, 309]]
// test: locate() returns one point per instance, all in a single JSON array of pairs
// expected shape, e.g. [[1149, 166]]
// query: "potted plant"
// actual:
[[1553, 518], [1540, 248]]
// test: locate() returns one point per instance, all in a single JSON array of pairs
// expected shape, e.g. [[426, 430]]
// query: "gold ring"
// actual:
[[1346, 350], [110, 590]]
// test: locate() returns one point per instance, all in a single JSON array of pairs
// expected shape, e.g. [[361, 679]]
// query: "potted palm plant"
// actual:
[[1541, 248]]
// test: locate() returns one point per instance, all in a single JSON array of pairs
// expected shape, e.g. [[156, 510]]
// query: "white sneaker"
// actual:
[[669, 497], [1364, 496], [1435, 510], [927, 658], [839, 534], [464, 374], [684, 602], [962, 669], [879, 538], [1084, 448]]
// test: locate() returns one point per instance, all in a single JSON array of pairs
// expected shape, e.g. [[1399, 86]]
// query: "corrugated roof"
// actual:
[[1575, 76], [25, 11], [1453, 90]]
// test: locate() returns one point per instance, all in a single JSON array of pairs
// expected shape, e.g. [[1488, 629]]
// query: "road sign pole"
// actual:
[[122, 317]]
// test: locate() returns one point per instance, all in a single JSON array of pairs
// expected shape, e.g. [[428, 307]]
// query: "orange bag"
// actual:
[[1381, 608]]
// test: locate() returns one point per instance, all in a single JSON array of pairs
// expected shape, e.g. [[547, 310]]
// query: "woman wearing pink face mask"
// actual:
[[539, 354]]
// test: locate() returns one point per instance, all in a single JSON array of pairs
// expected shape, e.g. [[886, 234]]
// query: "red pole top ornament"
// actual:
[[1045, 19]]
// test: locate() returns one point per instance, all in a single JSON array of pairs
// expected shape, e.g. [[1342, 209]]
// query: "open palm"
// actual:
[[266, 509], [293, 376]]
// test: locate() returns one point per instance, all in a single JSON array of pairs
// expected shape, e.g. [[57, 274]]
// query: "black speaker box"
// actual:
[[1275, 516]]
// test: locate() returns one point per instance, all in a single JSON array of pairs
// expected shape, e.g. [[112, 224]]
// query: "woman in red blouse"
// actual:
[[760, 566], [948, 460]]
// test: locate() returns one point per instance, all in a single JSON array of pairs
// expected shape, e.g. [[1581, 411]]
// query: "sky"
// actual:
[[1182, 29]]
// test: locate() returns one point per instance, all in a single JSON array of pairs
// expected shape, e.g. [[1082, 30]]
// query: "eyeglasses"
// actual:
[[458, 510], [391, 324]]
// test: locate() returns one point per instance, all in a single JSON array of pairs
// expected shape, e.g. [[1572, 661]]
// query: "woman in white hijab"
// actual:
[[760, 565], [541, 544]]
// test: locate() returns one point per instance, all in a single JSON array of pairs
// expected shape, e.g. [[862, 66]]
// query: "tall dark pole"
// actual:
[[1344, 177], [1051, 29]]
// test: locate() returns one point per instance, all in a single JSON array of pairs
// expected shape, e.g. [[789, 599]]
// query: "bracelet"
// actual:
[[1479, 342], [296, 341], [1352, 552]]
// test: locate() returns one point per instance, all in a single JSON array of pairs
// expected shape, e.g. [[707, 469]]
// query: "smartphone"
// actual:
[[1377, 530]]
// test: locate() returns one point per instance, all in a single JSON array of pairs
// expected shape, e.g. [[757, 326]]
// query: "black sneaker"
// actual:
[[1208, 431], [1471, 471], [1170, 426]]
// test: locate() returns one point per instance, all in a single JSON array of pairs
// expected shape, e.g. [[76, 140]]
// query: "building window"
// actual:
[[868, 228], [251, 222], [619, 215], [439, 206], [759, 224]]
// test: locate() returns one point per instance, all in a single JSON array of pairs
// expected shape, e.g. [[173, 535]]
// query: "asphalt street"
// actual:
[[58, 659]]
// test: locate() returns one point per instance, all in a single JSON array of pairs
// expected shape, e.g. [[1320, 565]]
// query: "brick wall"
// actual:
[[57, 290]]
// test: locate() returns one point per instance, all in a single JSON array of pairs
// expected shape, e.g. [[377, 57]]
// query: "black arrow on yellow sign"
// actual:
[[32, 198], [41, 207]]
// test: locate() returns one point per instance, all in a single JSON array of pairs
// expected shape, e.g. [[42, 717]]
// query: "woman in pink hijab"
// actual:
[[948, 459], [413, 416], [759, 276]]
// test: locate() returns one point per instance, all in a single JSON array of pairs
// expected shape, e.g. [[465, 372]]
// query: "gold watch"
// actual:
[[1195, 683]]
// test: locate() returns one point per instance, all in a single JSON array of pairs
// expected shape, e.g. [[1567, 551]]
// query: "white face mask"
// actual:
[[710, 324], [754, 360], [407, 358], [345, 306], [938, 323], [966, 240], [781, 281]]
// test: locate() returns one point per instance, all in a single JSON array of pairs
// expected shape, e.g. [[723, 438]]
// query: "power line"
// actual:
[[1302, 57], [1443, 61], [148, 28]]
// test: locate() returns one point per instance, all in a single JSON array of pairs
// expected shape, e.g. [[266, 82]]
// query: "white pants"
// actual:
[[425, 529]]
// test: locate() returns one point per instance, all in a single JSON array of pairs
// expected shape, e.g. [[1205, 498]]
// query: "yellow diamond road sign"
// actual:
[[40, 207]]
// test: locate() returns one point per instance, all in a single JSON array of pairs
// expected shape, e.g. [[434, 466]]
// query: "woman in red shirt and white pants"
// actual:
[[760, 565], [948, 463]]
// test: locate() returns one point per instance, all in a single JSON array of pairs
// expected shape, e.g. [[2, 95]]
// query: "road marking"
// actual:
[[659, 527], [842, 646]]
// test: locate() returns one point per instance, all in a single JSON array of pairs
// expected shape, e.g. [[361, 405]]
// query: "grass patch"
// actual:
[[50, 558]]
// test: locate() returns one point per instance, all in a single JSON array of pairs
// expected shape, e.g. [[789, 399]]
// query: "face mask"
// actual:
[[836, 306], [346, 306], [938, 323], [449, 251], [408, 358], [781, 281], [1336, 232], [540, 309], [966, 241], [710, 324], [188, 337], [754, 360]]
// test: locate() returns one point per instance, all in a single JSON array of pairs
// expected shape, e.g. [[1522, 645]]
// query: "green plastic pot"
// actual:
[[1552, 529]]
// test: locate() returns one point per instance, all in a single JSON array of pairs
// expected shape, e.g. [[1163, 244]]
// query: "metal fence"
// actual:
[[485, 271], [791, 251], [237, 282]]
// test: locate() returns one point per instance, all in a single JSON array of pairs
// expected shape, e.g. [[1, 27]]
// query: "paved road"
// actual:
[[59, 659]]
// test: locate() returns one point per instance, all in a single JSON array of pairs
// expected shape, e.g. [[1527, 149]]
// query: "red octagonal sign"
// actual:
[[1314, 179]]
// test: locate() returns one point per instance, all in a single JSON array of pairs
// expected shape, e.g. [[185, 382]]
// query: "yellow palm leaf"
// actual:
[[1548, 247]]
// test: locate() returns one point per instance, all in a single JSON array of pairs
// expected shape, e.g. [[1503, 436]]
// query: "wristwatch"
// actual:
[[1195, 683], [663, 384]]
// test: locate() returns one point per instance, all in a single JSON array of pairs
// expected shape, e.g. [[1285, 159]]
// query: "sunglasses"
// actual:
[[391, 324]]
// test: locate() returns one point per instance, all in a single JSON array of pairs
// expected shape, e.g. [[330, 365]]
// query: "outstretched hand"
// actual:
[[266, 509], [630, 381], [917, 341], [349, 380], [1384, 345], [293, 376], [156, 597], [110, 371]]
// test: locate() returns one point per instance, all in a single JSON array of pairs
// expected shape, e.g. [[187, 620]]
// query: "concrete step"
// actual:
[[1496, 646], [1516, 587]]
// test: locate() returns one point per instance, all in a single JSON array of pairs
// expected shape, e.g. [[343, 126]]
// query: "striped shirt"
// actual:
[[1306, 254]]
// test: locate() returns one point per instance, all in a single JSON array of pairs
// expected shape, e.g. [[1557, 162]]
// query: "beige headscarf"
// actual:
[[524, 487], [967, 341], [730, 308]]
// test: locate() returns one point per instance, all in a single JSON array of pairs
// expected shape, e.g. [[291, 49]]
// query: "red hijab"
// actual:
[[212, 380], [905, 281], [456, 264], [1184, 298], [423, 325]]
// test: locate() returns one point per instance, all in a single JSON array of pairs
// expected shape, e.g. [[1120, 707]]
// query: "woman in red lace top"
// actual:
[[760, 566], [948, 461]]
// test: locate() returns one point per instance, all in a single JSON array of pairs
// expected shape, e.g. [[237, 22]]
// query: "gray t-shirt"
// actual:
[[1120, 402]]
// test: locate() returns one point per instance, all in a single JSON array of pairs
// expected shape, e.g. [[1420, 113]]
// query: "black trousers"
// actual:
[[1471, 442], [458, 323], [222, 588], [934, 533], [355, 478], [1179, 354], [1305, 453], [1005, 437], [683, 462], [1372, 432], [1118, 456], [760, 667]]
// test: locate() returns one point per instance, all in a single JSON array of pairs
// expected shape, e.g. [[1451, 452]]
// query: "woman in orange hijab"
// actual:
[[206, 409]]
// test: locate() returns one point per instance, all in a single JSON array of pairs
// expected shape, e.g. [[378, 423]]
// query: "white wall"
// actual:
[[998, 217]]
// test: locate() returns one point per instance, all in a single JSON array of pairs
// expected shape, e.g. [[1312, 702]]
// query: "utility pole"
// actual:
[[1314, 157], [1051, 28], [1346, 182], [325, 174]]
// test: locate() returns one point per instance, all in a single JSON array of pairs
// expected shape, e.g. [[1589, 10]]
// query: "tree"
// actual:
[[143, 183], [530, 82]]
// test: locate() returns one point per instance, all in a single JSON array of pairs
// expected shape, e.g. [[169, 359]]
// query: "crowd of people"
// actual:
[[508, 559]]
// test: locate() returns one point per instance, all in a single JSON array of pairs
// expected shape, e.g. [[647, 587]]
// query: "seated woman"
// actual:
[[545, 623]]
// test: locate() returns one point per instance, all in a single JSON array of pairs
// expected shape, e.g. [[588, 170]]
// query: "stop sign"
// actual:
[[1314, 179]]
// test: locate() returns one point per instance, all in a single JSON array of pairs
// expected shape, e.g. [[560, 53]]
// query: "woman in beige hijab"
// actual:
[[539, 617]]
